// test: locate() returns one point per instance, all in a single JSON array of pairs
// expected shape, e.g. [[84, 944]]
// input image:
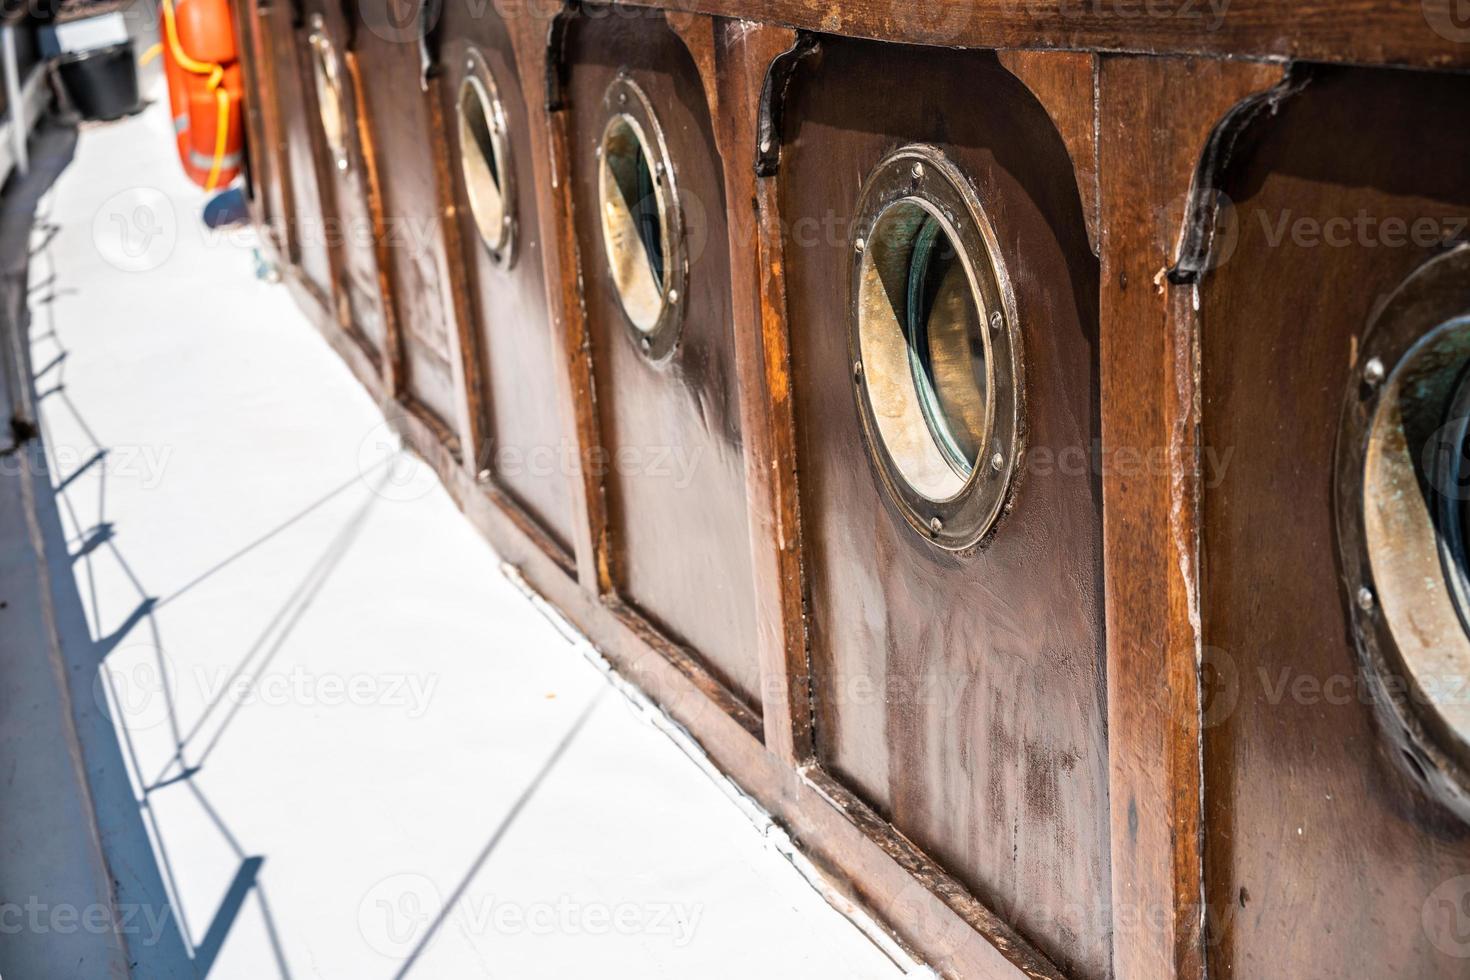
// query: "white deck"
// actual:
[[372, 755]]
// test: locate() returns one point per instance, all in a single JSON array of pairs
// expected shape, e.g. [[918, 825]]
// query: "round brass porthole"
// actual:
[[935, 353], [327, 70], [1403, 484], [641, 220], [485, 162]]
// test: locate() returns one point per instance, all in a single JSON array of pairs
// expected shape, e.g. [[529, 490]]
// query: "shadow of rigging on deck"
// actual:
[[147, 914]]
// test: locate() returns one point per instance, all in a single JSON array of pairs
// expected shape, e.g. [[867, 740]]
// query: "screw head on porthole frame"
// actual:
[[920, 176]]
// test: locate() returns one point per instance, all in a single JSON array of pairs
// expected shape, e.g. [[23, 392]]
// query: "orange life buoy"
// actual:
[[205, 87]]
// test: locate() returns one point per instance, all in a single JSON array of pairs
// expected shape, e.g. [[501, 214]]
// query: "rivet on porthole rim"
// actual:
[[1373, 371]]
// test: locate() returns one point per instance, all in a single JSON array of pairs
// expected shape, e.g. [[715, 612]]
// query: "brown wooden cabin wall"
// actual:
[[404, 166], [348, 227], [679, 550], [305, 244], [962, 696], [1313, 824], [526, 445], [265, 145], [1066, 752]]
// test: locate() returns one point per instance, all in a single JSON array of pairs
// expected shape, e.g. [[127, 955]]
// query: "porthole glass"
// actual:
[[635, 222], [1412, 496], [641, 220], [1402, 491], [484, 161], [921, 332], [935, 364], [330, 105]]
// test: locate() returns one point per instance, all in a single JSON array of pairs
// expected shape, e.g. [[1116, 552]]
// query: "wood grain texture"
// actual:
[[960, 696], [1151, 499], [671, 431], [263, 183], [1069, 800], [393, 364], [1065, 82], [528, 446], [733, 59], [576, 392], [305, 221], [866, 860], [399, 121], [1419, 33], [348, 229], [1313, 829]]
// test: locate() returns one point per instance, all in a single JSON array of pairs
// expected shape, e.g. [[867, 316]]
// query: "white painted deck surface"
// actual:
[[330, 738]]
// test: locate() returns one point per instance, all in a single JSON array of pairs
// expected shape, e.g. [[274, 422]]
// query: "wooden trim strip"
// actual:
[[1415, 33], [1149, 374], [571, 346], [734, 60]]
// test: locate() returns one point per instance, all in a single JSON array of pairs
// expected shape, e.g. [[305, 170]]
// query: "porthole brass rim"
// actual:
[[923, 175], [327, 71], [479, 78], [1407, 635], [625, 103]]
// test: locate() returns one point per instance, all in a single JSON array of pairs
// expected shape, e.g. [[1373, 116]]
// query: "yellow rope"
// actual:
[[151, 53], [216, 73]]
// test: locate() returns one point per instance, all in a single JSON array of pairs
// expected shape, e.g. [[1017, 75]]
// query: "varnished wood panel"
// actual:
[[405, 147], [528, 447], [348, 229], [1151, 496], [1312, 828], [265, 150], [983, 778], [961, 697], [671, 434], [1430, 33], [305, 214], [734, 60]]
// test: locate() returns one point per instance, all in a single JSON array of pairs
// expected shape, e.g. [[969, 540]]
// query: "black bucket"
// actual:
[[102, 82]]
